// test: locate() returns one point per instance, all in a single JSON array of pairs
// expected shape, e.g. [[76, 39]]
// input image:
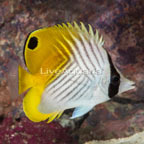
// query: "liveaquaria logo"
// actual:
[[95, 75], [73, 72]]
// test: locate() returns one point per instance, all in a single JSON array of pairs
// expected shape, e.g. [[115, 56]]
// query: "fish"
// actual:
[[67, 68]]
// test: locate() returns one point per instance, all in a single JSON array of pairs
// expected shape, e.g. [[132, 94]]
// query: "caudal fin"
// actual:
[[25, 80], [12, 78]]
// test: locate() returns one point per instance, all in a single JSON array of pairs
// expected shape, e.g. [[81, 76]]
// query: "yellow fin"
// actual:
[[64, 25], [77, 26], [91, 30], [69, 25], [59, 114], [83, 28], [60, 26], [25, 80], [98, 38], [52, 117], [30, 106]]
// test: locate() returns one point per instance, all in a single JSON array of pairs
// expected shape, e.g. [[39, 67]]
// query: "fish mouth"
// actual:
[[133, 85], [126, 85]]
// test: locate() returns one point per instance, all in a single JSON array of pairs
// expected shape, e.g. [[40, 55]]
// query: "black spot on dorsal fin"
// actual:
[[33, 42]]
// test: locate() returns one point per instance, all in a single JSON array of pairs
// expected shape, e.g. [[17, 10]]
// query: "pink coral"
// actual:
[[24, 131]]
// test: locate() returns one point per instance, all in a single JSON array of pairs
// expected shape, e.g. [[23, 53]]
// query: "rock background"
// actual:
[[137, 138], [122, 24]]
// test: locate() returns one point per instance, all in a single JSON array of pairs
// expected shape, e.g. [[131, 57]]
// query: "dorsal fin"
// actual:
[[98, 38]]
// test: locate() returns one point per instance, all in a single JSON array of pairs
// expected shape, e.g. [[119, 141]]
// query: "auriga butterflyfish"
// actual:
[[67, 68]]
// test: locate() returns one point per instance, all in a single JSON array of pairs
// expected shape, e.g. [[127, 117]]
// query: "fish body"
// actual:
[[67, 68]]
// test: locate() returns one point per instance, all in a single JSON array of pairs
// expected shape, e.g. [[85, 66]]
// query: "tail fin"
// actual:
[[12, 78], [25, 80]]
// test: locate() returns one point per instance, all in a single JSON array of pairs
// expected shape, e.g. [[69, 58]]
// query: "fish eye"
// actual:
[[114, 85], [115, 79], [33, 42]]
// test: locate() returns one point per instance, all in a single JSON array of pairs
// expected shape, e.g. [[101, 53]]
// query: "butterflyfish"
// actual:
[[67, 67]]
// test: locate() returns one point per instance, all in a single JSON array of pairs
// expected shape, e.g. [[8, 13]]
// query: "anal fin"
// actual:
[[54, 115]]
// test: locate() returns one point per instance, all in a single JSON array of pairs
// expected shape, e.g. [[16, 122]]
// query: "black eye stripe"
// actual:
[[114, 80], [33, 42]]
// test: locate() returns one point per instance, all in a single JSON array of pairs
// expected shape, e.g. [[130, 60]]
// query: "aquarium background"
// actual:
[[121, 22]]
